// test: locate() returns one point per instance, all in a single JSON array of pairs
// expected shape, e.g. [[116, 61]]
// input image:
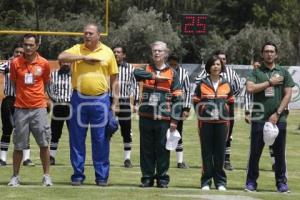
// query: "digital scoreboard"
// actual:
[[194, 24]]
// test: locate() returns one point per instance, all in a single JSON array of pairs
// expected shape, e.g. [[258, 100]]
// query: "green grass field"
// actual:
[[123, 183]]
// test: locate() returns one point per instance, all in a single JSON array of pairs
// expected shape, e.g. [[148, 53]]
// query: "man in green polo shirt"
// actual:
[[271, 86]]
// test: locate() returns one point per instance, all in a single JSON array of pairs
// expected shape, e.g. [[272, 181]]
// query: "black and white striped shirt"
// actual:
[[248, 100], [186, 87], [127, 84], [9, 88], [60, 87], [230, 75]]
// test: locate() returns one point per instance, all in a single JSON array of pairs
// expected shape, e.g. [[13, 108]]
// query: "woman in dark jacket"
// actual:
[[212, 97]]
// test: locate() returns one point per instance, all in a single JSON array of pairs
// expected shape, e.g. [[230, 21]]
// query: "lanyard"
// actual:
[[28, 70]]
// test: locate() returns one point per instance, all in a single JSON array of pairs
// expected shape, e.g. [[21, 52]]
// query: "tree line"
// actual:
[[237, 26]]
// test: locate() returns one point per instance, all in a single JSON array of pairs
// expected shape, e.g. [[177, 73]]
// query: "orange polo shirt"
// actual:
[[30, 95]]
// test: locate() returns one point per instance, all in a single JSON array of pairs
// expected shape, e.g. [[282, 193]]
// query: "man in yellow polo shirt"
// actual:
[[94, 73]]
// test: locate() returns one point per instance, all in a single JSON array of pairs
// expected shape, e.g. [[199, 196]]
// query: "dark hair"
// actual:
[[119, 46], [173, 56], [211, 61], [271, 44], [17, 45], [218, 52], [30, 35]]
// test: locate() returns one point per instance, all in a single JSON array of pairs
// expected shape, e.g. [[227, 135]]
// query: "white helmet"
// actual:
[[270, 133]]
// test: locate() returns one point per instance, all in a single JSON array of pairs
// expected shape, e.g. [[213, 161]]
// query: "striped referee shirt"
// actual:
[[127, 84], [248, 100], [60, 87], [186, 87], [229, 74], [9, 88]]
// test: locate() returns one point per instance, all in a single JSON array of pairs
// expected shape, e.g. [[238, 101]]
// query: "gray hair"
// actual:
[[162, 44]]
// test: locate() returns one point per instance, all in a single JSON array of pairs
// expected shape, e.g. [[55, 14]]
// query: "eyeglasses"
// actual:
[[157, 50]]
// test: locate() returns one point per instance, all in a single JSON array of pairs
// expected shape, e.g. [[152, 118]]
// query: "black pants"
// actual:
[[154, 157], [7, 111], [60, 114], [213, 139], [256, 148], [124, 117], [179, 147], [230, 131]]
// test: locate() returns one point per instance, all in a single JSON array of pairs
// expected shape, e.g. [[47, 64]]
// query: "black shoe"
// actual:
[[162, 184], [127, 164], [182, 165], [52, 160], [2, 163], [28, 162], [228, 166], [147, 183]]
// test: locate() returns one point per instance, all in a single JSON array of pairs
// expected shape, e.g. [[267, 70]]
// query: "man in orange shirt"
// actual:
[[7, 110], [30, 73]]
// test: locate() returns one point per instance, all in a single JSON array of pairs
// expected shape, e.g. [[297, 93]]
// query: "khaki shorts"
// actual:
[[31, 120]]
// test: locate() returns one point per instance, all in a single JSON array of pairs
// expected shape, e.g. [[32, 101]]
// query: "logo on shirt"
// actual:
[[38, 71]]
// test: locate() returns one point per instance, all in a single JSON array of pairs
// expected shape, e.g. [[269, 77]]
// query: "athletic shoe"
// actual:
[[47, 180], [28, 162], [205, 188], [14, 181], [52, 160], [101, 183], [228, 166], [127, 164], [283, 188], [77, 183], [222, 188], [2, 163], [182, 165], [250, 187]]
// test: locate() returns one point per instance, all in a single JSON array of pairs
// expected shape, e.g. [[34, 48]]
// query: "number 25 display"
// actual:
[[194, 24]]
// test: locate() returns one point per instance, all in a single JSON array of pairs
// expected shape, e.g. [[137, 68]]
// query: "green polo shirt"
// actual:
[[264, 107]]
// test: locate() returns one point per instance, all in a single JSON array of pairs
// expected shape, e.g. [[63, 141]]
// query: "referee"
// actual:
[[128, 95], [234, 80], [173, 60], [7, 111], [59, 91]]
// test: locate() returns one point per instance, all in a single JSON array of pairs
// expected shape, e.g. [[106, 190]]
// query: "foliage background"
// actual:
[[237, 26]]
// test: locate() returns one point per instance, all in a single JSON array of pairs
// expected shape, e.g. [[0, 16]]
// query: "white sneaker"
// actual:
[[14, 181], [222, 188], [47, 180], [206, 188]]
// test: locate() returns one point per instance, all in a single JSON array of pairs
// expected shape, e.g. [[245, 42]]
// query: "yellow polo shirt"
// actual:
[[93, 79]]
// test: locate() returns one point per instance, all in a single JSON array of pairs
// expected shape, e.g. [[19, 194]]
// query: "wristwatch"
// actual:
[[278, 113]]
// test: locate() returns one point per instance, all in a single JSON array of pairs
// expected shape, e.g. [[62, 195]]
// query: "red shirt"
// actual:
[[30, 95]]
